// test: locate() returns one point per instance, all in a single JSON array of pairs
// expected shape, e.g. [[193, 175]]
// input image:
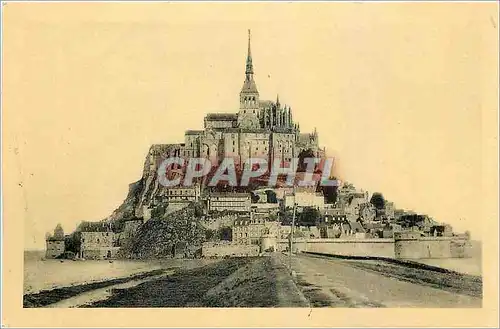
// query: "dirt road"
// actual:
[[340, 283]]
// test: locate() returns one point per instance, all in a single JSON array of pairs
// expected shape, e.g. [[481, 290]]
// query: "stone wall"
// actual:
[[176, 206], [100, 253], [98, 245], [352, 247], [210, 249], [411, 246], [130, 228], [217, 222], [401, 248]]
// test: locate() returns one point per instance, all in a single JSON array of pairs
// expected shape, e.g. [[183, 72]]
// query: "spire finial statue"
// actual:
[[278, 100]]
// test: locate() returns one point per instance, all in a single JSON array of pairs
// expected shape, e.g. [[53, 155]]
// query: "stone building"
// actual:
[[389, 210], [260, 128], [334, 214], [180, 193], [226, 248], [98, 241], [250, 230], [220, 220], [304, 199], [55, 245], [229, 201]]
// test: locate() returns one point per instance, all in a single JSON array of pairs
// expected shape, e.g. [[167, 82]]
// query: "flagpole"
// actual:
[[292, 231]]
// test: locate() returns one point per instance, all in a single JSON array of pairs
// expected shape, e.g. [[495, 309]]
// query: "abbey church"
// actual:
[[260, 129]]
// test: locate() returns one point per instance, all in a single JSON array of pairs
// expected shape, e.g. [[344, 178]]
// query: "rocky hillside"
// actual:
[[180, 233], [163, 235]]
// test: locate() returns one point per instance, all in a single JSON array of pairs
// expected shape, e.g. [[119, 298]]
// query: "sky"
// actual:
[[404, 95]]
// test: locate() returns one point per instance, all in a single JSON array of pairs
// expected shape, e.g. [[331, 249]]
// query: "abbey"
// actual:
[[260, 129]]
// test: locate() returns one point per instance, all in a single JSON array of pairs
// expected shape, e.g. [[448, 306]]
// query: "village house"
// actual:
[[230, 201], [180, 193], [303, 199]]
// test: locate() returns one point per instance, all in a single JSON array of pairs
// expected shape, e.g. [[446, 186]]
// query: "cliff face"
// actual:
[[128, 208], [143, 192]]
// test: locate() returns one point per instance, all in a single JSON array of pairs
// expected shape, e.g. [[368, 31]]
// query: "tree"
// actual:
[[378, 200], [158, 211], [209, 234], [225, 233], [308, 217], [271, 196], [255, 197], [302, 166], [72, 242], [330, 192]]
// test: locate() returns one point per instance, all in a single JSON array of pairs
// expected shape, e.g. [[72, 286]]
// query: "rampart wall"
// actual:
[[403, 246]]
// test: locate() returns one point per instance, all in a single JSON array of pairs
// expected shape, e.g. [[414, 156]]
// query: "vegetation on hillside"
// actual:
[[168, 234]]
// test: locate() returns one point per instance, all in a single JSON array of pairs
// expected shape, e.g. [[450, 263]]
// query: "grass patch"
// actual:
[[47, 297], [185, 288], [450, 281]]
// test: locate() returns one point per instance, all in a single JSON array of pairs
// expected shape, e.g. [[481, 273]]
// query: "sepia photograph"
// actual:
[[270, 163]]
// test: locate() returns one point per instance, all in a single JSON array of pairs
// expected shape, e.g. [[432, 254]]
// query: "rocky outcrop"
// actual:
[[142, 193], [166, 231], [178, 234], [128, 208]]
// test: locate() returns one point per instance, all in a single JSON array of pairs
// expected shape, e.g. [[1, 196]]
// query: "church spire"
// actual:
[[249, 95], [249, 66]]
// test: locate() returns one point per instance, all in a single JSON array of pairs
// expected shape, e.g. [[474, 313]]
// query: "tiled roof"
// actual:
[[221, 117], [266, 103]]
